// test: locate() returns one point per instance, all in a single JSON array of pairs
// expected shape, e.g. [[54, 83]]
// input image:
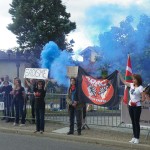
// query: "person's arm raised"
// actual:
[[123, 81]]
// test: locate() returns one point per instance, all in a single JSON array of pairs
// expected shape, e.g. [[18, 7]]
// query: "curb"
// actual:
[[76, 138]]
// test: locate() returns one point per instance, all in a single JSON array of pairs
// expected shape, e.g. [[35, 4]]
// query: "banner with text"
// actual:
[[103, 92], [36, 73]]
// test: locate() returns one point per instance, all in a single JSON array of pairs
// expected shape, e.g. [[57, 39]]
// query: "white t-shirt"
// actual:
[[135, 94]]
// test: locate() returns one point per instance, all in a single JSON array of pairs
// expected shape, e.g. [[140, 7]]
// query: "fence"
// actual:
[[56, 110]]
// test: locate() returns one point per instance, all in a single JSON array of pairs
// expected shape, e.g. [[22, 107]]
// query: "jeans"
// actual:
[[32, 103], [72, 113], [135, 113], [7, 104], [19, 108], [40, 123]]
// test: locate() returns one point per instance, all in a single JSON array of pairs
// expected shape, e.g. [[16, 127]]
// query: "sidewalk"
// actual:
[[96, 134]]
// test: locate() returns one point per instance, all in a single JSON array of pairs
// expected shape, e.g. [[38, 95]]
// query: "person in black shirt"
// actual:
[[19, 101], [39, 93], [6, 89], [30, 87], [74, 107]]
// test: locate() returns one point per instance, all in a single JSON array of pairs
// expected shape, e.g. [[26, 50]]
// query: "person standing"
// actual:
[[19, 102], [134, 105], [39, 93], [6, 89], [31, 85], [74, 108]]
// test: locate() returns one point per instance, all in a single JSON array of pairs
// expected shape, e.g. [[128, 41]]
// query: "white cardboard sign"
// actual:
[[36, 73], [72, 71]]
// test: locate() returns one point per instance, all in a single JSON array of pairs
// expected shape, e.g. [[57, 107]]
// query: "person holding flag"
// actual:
[[136, 97], [128, 78]]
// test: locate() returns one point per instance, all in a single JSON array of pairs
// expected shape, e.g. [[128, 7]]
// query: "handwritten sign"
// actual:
[[72, 71], [36, 73], [1, 105]]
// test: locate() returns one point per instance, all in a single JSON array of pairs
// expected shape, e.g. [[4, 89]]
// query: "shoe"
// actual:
[[41, 132], [33, 121], [132, 140], [79, 133], [36, 131], [83, 128], [15, 124], [22, 125], [7, 120], [12, 119], [3, 118], [69, 133], [136, 141]]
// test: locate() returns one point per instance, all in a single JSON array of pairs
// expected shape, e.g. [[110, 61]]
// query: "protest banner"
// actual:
[[36, 73]]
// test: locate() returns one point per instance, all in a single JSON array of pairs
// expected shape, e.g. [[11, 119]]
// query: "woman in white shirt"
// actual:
[[136, 97]]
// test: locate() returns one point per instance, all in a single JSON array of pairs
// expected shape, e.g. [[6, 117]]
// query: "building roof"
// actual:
[[4, 56]]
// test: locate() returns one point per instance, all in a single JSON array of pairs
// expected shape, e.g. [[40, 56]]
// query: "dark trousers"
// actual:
[[19, 108], [135, 113], [32, 102], [7, 104], [40, 123], [72, 113], [13, 108]]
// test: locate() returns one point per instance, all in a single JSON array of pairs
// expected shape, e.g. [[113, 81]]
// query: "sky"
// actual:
[[90, 17]]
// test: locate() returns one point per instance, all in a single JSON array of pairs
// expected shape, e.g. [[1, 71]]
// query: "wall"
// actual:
[[10, 69]]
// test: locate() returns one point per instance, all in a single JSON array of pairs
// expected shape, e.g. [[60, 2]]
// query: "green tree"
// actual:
[[36, 22]]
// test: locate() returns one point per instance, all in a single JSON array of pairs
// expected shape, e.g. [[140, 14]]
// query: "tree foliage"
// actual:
[[36, 22]]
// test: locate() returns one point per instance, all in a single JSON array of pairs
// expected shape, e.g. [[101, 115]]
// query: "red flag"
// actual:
[[128, 78]]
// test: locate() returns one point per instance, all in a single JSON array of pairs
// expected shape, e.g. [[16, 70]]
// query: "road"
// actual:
[[27, 142]]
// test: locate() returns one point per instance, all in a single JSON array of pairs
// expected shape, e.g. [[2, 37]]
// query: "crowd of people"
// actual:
[[15, 96]]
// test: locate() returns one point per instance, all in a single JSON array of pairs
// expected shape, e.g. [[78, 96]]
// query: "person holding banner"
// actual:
[[39, 93], [74, 107], [136, 97], [30, 86]]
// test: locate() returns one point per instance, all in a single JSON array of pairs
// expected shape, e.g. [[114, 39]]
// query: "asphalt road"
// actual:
[[25, 142]]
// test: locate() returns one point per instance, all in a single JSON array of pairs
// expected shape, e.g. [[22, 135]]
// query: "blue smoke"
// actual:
[[56, 61], [102, 18], [48, 54], [59, 68], [116, 30]]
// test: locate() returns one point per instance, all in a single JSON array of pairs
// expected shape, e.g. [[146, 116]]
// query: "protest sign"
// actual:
[[36, 73], [72, 71]]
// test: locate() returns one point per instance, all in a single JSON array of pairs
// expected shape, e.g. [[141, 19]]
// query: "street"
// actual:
[[27, 142]]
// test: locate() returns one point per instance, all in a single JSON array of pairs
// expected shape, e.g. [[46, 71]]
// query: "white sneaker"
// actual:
[[15, 124], [132, 140], [136, 141]]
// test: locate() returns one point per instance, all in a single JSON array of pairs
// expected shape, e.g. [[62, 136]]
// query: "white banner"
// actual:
[[144, 119], [36, 73], [1, 105]]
